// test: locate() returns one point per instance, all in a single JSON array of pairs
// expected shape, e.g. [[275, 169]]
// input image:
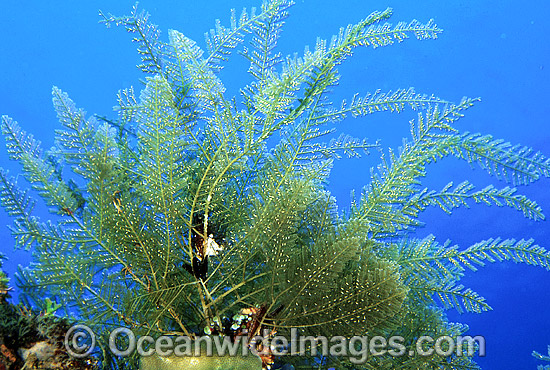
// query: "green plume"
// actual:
[[192, 209]]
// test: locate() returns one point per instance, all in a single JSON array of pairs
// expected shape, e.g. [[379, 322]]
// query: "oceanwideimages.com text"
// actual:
[[80, 342]]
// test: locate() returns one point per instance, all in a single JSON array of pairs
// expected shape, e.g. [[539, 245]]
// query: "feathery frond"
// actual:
[[42, 175], [194, 212], [515, 164], [207, 88], [393, 101], [146, 35], [449, 198], [263, 57], [17, 203], [382, 201]]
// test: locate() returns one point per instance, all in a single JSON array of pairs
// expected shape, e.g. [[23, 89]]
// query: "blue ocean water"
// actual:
[[498, 51]]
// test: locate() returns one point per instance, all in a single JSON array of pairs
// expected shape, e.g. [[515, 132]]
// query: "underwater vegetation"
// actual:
[[543, 358], [4, 281], [195, 213], [31, 339]]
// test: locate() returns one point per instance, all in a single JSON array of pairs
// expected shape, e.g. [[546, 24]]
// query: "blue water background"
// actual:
[[497, 50]]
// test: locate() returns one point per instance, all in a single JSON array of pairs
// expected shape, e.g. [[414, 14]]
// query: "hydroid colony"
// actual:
[[181, 216]]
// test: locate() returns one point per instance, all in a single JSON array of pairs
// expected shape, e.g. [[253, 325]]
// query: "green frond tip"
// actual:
[[383, 35], [316, 69], [515, 164], [18, 203], [491, 250], [43, 174], [18, 142], [428, 258], [542, 357], [462, 299], [80, 142], [424, 262], [453, 197], [393, 101], [448, 293], [350, 146], [145, 34], [266, 31], [205, 86]]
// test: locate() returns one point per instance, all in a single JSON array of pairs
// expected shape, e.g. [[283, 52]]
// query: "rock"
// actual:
[[40, 351], [7, 358]]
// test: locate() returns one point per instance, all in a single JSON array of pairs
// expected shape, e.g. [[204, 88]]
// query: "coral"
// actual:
[[31, 340], [34, 340], [193, 212]]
